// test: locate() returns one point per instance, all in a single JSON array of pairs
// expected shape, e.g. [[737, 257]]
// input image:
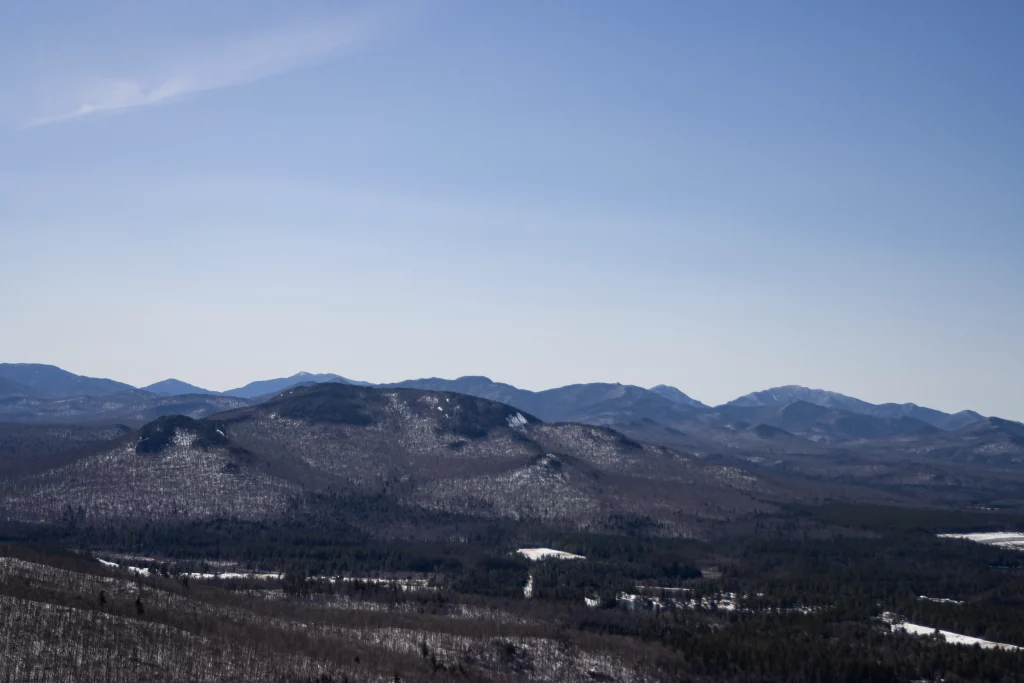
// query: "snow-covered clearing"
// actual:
[[546, 553], [950, 637], [516, 421], [1012, 540], [134, 570]]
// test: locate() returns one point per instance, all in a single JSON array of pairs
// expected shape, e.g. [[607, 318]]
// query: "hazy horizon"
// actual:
[[722, 199]]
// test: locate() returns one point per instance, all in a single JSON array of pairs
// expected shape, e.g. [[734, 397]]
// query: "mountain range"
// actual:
[[591, 456], [175, 387], [437, 452], [831, 399], [781, 421], [49, 382]]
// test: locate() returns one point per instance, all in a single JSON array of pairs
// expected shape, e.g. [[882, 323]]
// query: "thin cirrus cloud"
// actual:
[[248, 59]]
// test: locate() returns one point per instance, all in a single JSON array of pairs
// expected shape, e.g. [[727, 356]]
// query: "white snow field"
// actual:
[[950, 637], [546, 553], [1012, 540], [516, 421]]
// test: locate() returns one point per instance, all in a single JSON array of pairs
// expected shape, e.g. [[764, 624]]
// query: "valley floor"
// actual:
[[818, 594]]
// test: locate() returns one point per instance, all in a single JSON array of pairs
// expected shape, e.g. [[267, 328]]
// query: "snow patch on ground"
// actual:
[[183, 438], [403, 584], [1012, 540], [950, 637], [516, 421], [727, 602], [266, 576], [547, 553], [134, 570], [943, 600]]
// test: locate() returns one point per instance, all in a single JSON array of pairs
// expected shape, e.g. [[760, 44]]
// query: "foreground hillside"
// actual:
[[81, 621], [829, 593]]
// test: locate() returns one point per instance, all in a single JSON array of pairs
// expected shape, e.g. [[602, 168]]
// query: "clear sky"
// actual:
[[721, 196]]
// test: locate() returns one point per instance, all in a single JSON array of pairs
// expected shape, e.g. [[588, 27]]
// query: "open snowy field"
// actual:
[[547, 553], [1012, 540], [950, 637]]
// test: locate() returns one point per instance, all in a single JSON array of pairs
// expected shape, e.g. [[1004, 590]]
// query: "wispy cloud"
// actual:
[[241, 60]]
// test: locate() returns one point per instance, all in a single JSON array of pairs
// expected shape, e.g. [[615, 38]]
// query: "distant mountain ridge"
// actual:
[[661, 414], [175, 387], [49, 381], [595, 403], [817, 422], [274, 386], [676, 396], [778, 433], [830, 399], [129, 407]]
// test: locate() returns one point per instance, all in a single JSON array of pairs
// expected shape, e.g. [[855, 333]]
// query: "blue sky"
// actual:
[[719, 196]]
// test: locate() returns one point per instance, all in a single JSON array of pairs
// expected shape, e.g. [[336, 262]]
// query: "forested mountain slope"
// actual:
[[443, 452]]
